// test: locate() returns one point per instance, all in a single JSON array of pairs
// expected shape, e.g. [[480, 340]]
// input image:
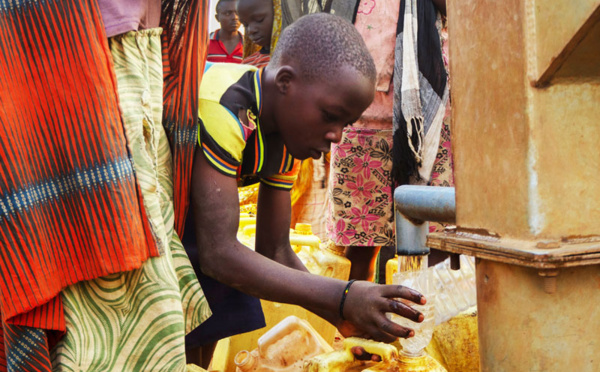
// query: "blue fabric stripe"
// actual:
[[220, 161], [53, 189]]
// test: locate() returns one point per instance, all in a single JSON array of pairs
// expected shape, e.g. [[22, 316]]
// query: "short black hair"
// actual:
[[322, 43], [219, 3]]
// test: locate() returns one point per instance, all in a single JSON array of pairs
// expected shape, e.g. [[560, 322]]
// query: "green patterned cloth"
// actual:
[[137, 321]]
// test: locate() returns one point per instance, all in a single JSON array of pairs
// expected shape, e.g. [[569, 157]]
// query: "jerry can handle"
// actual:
[[303, 240], [387, 352]]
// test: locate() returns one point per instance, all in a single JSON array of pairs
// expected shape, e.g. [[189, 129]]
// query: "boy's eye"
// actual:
[[328, 117]]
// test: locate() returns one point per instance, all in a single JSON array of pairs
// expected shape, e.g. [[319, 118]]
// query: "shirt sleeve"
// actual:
[[221, 140], [283, 181], [221, 135]]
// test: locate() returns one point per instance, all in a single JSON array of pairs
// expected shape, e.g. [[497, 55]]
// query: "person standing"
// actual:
[[227, 43], [376, 154]]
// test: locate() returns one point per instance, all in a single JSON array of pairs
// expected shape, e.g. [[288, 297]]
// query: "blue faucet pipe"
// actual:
[[415, 206], [426, 203]]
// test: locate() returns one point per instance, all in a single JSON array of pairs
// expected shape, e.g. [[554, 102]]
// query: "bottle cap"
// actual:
[[303, 229]]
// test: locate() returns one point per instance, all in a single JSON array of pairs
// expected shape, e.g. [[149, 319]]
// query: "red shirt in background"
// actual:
[[218, 53]]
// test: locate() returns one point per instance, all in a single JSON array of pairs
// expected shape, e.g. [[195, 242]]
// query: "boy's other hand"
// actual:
[[365, 308]]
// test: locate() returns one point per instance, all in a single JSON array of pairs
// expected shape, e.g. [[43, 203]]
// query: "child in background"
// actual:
[[262, 22], [252, 125]]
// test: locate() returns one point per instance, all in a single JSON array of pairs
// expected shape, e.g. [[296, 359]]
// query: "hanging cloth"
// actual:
[[185, 44], [421, 92]]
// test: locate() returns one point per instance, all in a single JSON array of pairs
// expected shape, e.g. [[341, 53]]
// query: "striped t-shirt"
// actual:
[[238, 148]]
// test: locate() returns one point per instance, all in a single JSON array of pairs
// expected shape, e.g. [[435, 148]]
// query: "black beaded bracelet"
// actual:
[[344, 298]]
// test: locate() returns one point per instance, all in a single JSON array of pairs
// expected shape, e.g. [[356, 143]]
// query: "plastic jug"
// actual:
[[318, 261], [321, 259], [391, 268], [302, 237], [391, 360], [344, 361], [284, 347], [247, 229], [423, 363]]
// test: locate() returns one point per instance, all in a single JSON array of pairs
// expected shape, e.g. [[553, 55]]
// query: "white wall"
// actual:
[[212, 22]]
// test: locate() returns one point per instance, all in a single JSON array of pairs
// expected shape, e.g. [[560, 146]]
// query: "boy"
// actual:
[[226, 43], [252, 124], [257, 16]]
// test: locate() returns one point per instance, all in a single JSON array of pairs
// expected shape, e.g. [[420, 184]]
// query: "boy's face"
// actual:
[[313, 115], [227, 16], [257, 18]]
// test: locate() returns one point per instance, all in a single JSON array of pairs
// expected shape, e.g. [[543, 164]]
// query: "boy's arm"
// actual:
[[273, 227], [216, 209]]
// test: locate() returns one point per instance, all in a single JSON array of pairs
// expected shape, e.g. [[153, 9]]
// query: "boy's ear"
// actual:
[[284, 77]]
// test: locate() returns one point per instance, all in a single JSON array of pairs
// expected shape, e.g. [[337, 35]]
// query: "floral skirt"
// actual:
[[360, 189]]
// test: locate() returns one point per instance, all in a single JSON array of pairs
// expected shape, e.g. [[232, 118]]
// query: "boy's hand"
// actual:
[[365, 308]]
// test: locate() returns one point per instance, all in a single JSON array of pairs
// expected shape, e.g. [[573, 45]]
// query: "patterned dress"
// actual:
[[360, 194]]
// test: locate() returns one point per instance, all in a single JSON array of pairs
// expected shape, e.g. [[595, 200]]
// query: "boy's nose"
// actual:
[[335, 135]]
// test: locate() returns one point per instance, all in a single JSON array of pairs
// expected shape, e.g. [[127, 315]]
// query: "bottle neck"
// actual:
[[406, 354], [245, 361]]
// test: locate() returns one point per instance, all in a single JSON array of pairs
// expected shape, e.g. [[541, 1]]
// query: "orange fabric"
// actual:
[[185, 43], [70, 208]]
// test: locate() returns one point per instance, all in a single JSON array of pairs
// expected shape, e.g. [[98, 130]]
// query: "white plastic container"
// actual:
[[284, 348]]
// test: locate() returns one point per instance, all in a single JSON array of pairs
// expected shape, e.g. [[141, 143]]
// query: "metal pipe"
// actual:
[[426, 203], [415, 205]]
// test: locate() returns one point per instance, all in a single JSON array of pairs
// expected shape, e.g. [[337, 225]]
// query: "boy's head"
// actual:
[[325, 79], [227, 15], [257, 18]]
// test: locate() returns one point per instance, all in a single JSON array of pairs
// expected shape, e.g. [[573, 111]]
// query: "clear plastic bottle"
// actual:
[[456, 289], [414, 274]]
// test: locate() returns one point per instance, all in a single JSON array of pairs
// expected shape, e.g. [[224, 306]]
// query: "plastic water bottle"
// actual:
[[414, 274]]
